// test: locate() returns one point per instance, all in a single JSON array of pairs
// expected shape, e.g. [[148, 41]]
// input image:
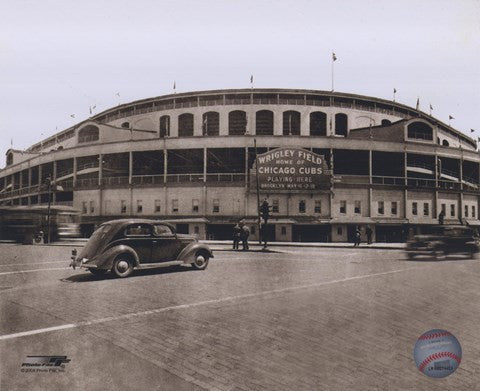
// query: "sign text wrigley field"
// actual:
[[291, 169]]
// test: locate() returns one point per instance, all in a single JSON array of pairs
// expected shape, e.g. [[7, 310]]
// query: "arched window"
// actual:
[[185, 125], [264, 122], [318, 124], [164, 126], [126, 125], [341, 124], [386, 122], [211, 123], [237, 122], [291, 123], [445, 143], [88, 133], [420, 130]]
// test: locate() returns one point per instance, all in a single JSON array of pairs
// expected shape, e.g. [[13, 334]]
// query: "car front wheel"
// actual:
[[122, 266], [201, 261]]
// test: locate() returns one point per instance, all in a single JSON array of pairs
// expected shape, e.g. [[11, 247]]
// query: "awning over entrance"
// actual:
[[424, 221], [391, 221], [270, 221], [187, 220], [472, 223], [352, 220]]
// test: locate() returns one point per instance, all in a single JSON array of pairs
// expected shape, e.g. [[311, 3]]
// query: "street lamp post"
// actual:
[[48, 182]]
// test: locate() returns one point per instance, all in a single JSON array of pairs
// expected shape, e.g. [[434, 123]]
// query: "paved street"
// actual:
[[292, 319]]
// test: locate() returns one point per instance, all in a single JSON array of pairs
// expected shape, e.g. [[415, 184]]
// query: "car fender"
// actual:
[[188, 253], [472, 246], [106, 259]]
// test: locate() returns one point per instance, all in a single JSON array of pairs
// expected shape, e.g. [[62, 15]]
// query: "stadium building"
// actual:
[[188, 158]]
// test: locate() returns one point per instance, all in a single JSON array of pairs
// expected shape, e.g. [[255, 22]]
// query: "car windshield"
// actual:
[[95, 241]]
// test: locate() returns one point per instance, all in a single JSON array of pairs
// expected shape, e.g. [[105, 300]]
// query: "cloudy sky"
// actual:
[[58, 58]]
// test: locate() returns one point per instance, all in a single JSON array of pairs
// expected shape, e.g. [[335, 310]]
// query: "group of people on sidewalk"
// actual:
[[358, 235], [240, 234]]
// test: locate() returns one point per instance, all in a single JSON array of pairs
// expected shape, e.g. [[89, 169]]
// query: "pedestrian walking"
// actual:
[[236, 236], [369, 233], [245, 233], [357, 236]]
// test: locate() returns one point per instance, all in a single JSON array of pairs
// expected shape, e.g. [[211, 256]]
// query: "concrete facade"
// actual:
[[393, 167]]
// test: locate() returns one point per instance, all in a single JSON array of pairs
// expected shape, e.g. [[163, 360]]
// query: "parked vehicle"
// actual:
[[444, 240], [123, 245]]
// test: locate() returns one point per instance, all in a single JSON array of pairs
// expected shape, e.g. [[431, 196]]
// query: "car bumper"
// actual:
[[82, 263]]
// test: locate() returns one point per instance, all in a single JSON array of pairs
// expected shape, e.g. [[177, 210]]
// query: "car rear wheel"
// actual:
[[201, 261], [97, 272], [122, 266]]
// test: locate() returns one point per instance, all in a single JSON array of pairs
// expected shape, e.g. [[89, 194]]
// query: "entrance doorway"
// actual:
[[311, 233]]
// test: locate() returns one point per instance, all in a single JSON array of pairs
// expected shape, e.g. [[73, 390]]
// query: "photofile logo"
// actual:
[[45, 363]]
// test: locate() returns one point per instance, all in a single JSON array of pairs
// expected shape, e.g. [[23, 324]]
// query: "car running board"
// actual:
[[159, 264]]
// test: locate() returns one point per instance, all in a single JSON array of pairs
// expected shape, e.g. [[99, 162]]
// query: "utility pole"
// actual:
[[258, 191], [49, 184]]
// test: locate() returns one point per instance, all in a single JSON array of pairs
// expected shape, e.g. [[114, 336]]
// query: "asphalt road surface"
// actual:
[[293, 319]]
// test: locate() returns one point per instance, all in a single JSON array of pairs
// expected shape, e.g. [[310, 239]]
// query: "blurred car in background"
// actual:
[[444, 240]]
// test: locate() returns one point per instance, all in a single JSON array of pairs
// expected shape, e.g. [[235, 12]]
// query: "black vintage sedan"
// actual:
[[444, 240], [123, 245]]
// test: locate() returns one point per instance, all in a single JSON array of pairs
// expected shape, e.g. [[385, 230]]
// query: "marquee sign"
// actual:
[[290, 169]]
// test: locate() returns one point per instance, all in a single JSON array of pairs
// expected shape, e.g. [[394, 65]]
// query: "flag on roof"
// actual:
[[394, 90], [418, 103], [334, 57], [174, 85], [472, 130], [251, 79], [431, 107], [450, 117], [72, 115]]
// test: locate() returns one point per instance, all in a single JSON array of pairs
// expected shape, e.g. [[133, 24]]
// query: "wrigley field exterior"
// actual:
[[190, 159]]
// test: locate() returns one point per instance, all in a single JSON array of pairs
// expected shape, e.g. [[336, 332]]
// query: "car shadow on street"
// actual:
[[426, 258], [89, 277]]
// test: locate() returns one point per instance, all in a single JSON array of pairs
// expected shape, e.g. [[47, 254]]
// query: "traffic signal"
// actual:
[[265, 211]]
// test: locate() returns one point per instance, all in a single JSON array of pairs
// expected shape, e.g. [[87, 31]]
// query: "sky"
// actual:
[[59, 58]]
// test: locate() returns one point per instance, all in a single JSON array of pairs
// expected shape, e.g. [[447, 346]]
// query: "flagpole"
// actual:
[[332, 72]]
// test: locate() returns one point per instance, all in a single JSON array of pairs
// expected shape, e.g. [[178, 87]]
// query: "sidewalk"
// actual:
[[226, 245]]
